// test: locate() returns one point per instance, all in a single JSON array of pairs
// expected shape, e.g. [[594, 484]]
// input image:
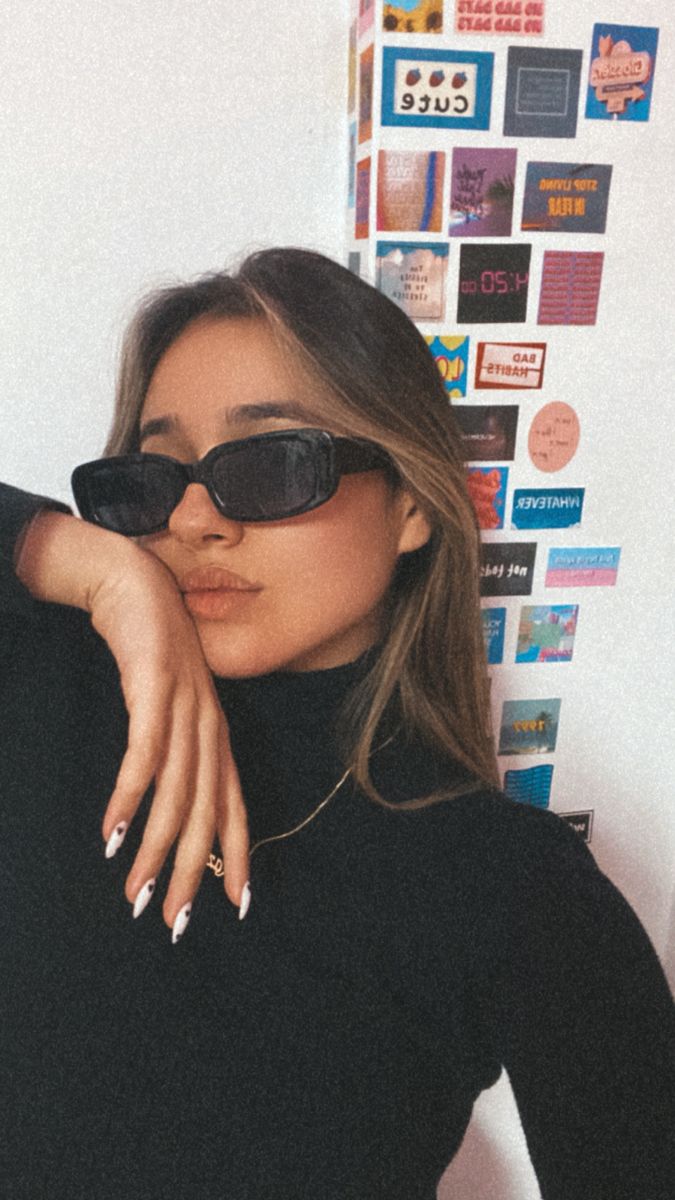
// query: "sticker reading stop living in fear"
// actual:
[[622, 72], [515, 18], [448, 89], [566, 197], [554, 436]]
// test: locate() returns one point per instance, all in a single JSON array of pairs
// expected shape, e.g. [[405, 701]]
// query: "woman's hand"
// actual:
[[178, 736]]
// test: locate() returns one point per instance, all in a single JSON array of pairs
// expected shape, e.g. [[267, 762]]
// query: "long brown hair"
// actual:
[[377, 380]]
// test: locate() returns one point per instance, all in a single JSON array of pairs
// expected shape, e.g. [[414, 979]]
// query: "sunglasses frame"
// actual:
[[333, 457]]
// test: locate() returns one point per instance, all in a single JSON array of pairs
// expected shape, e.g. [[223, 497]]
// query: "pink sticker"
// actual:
[[522, 18], [554, 436]]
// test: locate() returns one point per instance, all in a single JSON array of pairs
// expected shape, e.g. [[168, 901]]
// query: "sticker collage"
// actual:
[[431, 82]]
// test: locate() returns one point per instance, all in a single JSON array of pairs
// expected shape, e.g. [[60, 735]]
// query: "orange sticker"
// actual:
[[554, 436]]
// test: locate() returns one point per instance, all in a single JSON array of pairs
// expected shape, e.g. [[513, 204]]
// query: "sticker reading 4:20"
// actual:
[[493, 283]]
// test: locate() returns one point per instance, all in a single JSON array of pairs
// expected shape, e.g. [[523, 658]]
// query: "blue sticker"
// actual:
[[448, 89], [547, 508], [572, 566], [494, 625], [622, 72], [529, 726], [532, 786]]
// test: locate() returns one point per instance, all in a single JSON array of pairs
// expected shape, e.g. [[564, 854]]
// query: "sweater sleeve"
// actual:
[[17, 509], [583, 1021]]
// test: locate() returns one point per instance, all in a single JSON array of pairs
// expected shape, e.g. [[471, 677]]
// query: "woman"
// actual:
[[313, 574]]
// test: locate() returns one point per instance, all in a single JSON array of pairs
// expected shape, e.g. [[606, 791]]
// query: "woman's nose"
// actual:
[[197, 519]]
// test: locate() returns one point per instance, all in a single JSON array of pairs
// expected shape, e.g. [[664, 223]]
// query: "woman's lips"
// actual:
[[213, 592]]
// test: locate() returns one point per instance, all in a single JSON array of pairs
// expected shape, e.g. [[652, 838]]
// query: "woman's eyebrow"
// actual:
[[241, 414]]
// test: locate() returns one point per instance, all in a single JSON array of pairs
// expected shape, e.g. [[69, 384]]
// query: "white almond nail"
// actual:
[[245, 901], [144, 897], [116, 838], [180, 924]]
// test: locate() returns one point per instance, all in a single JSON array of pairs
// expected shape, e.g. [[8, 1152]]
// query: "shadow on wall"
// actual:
[[492, 1163]]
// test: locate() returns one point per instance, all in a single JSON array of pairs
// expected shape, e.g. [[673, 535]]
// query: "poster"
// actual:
[[546, 633], [529, 726], [413, 274], [530, 786], [542, 92], [488, 431], [570, 287], [413, 16], [547, 508], [351, 186], [510, 364], [493, 283], [448, 89], [566, 197], [494, 625], [362, 198], [581, 822], [507, 568], [622, 72], [515, 18], [366, 73], [366, 15], [487, 489], [481, 192], [452, 359], [554, 436], [582, 567], [410, 190], [351, 69]]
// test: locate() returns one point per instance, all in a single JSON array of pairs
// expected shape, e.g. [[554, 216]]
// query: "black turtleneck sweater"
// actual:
[[331, 1045]]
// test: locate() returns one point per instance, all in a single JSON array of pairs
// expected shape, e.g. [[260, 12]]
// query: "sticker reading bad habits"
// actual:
[[449, 89], [510, 364], [554, 436]]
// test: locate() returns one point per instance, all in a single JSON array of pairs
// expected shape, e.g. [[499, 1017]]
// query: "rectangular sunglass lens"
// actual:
[[131, 498], [266, 480]]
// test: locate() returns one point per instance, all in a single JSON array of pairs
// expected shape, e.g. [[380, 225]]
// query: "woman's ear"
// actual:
[[415, 529]]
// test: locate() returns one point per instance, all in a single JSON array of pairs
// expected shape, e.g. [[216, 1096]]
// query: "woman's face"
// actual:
[[303, 593]]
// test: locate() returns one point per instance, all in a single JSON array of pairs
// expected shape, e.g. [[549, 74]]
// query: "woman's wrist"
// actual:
[[63, 560]]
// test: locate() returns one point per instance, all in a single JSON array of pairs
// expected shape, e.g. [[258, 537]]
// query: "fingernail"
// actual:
[[116, 838], [245, 901], [144, 897], [180, 924]]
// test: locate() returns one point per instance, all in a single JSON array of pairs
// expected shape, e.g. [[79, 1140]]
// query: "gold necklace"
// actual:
[[278, 837]]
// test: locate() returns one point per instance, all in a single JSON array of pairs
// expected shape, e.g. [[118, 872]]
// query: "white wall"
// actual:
[[141, 141]]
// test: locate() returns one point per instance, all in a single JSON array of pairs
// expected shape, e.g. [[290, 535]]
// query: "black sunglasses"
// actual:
[[262, 478]]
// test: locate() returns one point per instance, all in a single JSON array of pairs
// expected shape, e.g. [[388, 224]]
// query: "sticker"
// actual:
[[554, 436], [366, 72], [510, 364], [494, 625], [574, 567], [481, 192], [546, 633], [566, 197], [507, 568], [351, 69], [493, 283], [487, 489], [581, 822], [622, 72], [570, 287], [452, 359], [410, 190], [529, 726], [366, 15], [513, 17], [362, 198], [488, 431], [542, 92], [530, 786], [413, 275], [449, 89], [354, 262], [547, 508], [413, 16], [351, 193]]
